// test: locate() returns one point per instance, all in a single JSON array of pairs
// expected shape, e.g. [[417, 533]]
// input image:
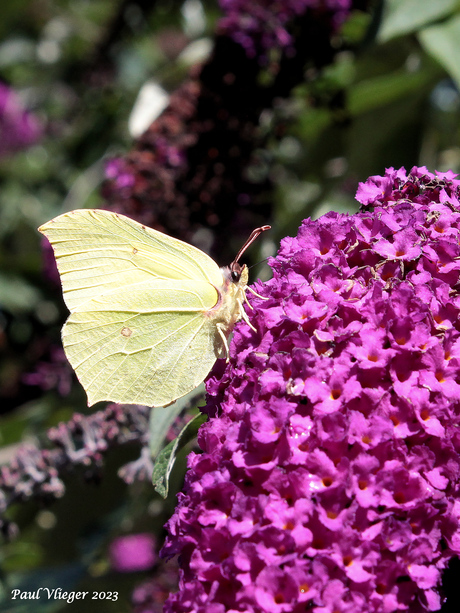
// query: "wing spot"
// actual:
[[134, 250], [126, 332]]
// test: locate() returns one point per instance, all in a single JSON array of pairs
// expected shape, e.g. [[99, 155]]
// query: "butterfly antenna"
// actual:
[[253, 236], [257, 263]]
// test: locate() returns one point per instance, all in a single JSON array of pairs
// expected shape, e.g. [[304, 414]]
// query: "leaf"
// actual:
[[165, 461], [384, 89], [405, 16], [441, 42], [162, 418]]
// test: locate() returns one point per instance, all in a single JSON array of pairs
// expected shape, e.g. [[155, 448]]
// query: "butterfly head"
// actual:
[[238, 273], [232, 294]]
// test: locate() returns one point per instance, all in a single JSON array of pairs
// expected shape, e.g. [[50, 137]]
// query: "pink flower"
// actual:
[[134, 552]]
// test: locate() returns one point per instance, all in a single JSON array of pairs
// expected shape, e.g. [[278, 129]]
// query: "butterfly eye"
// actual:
[[235, 271]]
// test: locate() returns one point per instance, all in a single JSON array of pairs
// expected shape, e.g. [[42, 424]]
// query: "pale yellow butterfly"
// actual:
[[149, 314]]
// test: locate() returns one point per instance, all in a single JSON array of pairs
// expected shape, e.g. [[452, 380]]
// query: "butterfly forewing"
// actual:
[[98, 251]]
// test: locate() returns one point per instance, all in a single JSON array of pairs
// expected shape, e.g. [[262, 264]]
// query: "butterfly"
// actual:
[[149, 314]]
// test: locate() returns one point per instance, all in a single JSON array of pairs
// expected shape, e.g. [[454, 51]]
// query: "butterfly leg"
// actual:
[[255, 293], [244, 314], [220, 329], [246, 300]]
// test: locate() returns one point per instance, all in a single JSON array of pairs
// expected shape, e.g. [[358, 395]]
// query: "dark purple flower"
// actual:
[[330, 469], [18, 127], [38, 474], [149, 597], [53, 373], [261, 25], [117, 171]]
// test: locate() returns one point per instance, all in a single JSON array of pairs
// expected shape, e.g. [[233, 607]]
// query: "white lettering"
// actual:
[[26, 595], [52, 594]]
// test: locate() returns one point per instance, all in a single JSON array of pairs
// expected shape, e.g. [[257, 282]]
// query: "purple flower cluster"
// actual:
[[262, 25], [330, 470], [143, 184], [18, 128], [35, 473], [53, 373]]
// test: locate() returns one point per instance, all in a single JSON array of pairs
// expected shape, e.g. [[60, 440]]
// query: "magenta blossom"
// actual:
[[330, 467], [116, 170], [133, 552], [18, 128]]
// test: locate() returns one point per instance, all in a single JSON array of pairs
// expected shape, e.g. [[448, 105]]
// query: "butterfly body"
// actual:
[[229, 306], [149, 314]]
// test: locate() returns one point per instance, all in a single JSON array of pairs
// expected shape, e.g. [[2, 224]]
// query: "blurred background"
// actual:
[[202, 119]]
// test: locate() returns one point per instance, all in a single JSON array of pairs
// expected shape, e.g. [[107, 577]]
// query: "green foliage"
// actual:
[[408, 16], [441, 41], [167, 458], [162, 418]]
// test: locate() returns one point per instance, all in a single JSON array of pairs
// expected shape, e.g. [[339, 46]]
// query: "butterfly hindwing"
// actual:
[[148, 344]]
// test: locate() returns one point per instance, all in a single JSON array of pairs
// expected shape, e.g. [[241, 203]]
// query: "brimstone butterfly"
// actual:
[[149, 314]]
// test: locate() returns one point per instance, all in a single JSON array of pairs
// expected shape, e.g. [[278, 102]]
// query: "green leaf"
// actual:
[[165, 461], [162, 418], [382, 90], [405, 16], [441, 42]]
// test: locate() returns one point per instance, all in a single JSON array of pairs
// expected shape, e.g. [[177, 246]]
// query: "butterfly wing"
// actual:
[[147, 344], [98, 251]]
